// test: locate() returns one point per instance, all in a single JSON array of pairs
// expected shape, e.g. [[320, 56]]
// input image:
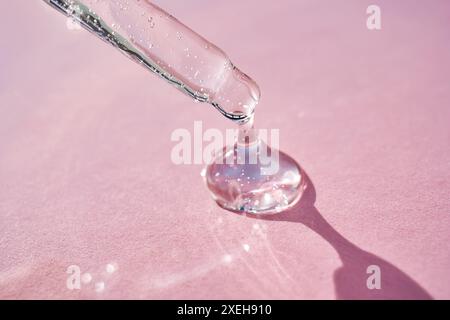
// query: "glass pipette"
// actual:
[[158, 41]]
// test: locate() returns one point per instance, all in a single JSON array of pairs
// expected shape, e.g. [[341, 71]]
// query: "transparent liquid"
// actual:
[[237, 184], [150, 36]]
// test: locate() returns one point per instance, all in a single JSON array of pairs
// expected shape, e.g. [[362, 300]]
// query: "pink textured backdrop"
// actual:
[[86, 177]]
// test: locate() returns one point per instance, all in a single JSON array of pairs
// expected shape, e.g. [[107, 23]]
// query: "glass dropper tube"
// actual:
[[158, 41]]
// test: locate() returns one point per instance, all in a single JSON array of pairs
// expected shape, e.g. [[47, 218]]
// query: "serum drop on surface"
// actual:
[[253, 178], [246, 177]]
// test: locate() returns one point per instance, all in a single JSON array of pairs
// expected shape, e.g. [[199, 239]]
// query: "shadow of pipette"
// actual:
[[351, 278]]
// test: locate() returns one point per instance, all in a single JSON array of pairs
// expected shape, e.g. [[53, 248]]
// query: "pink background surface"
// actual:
[[86, 177]]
